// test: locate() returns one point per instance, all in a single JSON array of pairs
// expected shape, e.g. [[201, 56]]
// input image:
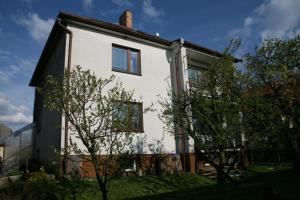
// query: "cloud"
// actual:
[[12, 114], [110, 12], [4, 54], [122, 3], [18, 118], [87, 4], [278, 18], [273, 18], [18, 66], [28, 1], [150, 12], [38, 28], [119, 7], [4, 78]]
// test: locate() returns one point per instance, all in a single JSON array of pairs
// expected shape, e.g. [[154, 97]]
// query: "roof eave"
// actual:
[[49, 43]]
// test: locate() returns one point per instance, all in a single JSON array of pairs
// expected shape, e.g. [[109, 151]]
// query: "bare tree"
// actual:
[[101, 119]]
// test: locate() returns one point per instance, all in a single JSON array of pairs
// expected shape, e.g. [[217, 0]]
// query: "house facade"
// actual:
[[145, 63]]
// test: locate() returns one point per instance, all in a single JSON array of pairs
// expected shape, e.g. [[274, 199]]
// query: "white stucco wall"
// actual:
[[93, 50]]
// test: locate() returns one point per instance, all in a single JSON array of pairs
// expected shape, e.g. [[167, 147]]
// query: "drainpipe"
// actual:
[[179, 88], [70, 33]]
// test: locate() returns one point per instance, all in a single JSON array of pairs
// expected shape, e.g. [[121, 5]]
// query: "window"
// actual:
[[126, 60], [128, 116], [194, 73]]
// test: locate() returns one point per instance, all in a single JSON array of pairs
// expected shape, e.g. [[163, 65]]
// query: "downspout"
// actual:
[[65, 161], [179, 88]]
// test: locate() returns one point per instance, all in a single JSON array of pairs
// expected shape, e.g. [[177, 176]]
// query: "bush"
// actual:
[[38, 177], [14, 172]]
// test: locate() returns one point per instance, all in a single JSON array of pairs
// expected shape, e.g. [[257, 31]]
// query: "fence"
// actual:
[[272, 158]]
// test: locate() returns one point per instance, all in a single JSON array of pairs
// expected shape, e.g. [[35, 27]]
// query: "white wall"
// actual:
[[94, 50]]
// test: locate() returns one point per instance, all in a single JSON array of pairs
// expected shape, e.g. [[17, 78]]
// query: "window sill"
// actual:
[[126, 72], [129, 131]]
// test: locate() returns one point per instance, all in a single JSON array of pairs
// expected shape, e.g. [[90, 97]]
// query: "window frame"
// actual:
[[195, 68], [141, 118], [129, 50]]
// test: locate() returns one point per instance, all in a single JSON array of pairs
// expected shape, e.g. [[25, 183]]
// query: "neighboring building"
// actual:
[[144, 63], [18, 148], [4, 133]]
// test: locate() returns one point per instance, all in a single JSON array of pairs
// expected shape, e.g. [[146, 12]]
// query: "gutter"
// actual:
[[65, 161]]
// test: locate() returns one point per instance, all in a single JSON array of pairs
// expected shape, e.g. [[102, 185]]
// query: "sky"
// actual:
[[25, 26]]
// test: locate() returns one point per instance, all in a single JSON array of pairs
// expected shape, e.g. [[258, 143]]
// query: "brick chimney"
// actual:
[[126, 19]]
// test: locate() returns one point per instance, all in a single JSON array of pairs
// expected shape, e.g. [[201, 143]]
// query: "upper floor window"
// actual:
[[194, 73], [126, 60]]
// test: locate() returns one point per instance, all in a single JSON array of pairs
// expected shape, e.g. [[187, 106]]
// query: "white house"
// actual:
[[145, 63]]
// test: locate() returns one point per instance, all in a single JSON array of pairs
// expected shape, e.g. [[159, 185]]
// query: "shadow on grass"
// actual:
[[257, 185]]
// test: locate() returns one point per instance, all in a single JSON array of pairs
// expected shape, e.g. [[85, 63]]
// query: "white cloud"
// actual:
[[13, 114], [18, 66], [273, 18], [3, 52], [87, 4], [18, 118], [38, 28], [150, 12], [279, 17]]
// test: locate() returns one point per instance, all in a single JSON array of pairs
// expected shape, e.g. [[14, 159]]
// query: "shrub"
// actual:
[[38, 177], [14, 172]]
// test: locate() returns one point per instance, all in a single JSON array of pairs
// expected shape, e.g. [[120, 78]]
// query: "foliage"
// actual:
[[38, 177], [14, 172], [213, 110], [276, 78], [97, 118]]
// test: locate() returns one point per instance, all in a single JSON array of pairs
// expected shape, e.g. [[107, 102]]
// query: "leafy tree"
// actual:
[[97, 113], [275, 71], [212, 111]]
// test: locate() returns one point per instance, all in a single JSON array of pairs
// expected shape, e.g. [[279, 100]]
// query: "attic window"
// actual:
[[125, 59]]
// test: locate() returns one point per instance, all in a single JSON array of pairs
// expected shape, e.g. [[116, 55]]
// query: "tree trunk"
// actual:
[[220, 175], [243, 162], [101, 183], [296, 163], [104, 193], [220, 169]]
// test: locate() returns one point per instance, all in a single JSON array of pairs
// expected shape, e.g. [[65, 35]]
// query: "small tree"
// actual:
[[275, 70], [210, 111], [98, 118]]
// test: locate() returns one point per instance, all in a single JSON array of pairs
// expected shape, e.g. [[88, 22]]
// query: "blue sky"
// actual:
[[25, 25]]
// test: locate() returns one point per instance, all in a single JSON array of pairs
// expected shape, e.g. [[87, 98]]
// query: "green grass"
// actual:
[[254, 184]]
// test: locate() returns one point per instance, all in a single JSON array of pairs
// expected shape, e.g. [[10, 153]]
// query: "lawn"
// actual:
[[256, 182]]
